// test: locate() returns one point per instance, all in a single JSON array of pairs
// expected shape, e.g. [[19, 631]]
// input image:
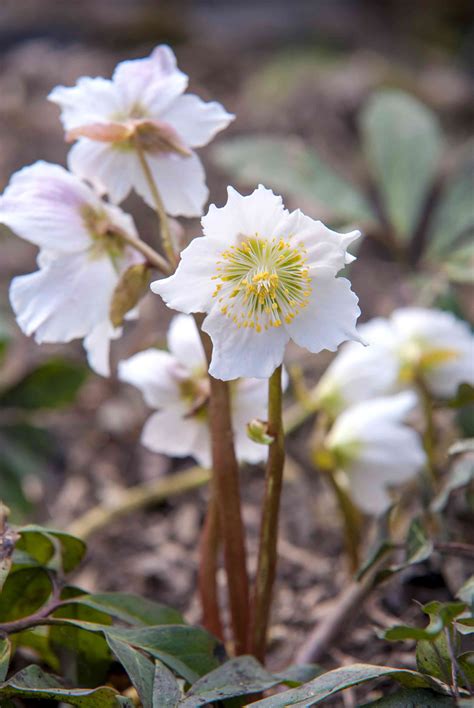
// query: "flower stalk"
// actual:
[[267, 556], [209, 545]]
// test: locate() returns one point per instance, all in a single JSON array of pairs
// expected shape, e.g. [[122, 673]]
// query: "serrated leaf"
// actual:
[[5, 654], [453, 216], [52, 384], [412, 698], [34, 683], [140, 670], [24, 592], [131, 608], [288, 166], [402, 143], [166, 691], [238, 677], [333, 682], [71, 549]]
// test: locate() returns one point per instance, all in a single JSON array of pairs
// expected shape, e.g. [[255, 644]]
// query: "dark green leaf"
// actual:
[[38, 641], [460, 475], [139, 668], [337, 680], [24, 592], [237, 677], [402, 144], [466, 592], [72, 549], [132, 609], [299, 673], [287, 165], [418, 547], [454, 214], [51, 385], [33, 683], [466, 668], [432, 658], [5, 653], [166, 691], [441, 615], [464, 396], [412, 698]]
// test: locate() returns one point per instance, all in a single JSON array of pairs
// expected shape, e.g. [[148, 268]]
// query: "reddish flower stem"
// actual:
[[209, 544]]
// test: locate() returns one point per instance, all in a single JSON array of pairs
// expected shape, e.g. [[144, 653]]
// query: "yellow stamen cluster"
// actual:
[[262, 283]]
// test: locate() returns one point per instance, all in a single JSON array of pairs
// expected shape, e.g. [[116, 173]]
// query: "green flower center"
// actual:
[[106, 239], [262, 283]]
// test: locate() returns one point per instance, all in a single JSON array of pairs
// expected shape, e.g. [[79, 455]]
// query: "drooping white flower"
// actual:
[[264, 276], [81, 258], [371, 443], [434, 345], [359, 372], [176, 384], [142, 103]]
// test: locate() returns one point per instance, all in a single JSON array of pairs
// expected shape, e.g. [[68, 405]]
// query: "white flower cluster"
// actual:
[[369, 392]]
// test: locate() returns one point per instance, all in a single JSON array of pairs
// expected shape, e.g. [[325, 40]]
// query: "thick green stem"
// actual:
[[267, 555], [159, 206], [209, 544]]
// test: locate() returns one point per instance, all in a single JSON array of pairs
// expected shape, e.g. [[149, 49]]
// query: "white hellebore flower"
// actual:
[[264, 276], [142, 107], [82, 255], [371, 443], [358, 372], [177, 385], [434, 345]]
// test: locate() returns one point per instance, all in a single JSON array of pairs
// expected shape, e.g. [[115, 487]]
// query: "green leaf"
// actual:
[[71, 548], [166, 691], [460, 475], [288, 166], [24, 592], [33, 683], [453, 217], [412, 698], [441, 615], [131, 608], [433, 658], [5, 653], [381, 545], [238, 677], [140, 670], [466, 668], [418, 547], [298, 674], [337, 680], [8, 539], [38, 641], [466, 592], [51, 385], [459, 264], [402, 143]]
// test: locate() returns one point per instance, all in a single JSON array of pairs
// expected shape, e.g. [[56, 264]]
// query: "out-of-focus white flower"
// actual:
[[435, 346], [177, 385], [264, 276], [359, 372], [371, 443], [142, 103], [82, 255]]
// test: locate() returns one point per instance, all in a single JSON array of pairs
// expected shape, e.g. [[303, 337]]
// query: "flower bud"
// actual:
[[131, 287], [257, 430]]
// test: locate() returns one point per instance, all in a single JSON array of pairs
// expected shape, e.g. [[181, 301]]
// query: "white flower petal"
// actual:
[[43, 204], [195, 121], [181, 182], [65, 299], [157, 374], [243, 351], [152, 83], [171, 434], [190, 289], [325, 248], [261, 212], [185, 344], [110, 170], [89, 101], [329, 318], [97, 346]]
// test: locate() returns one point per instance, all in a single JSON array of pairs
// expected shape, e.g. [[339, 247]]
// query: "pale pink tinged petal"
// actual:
[[243, 352], [261, 212], [329, 318], [43, 204], [89, 101], [185, 344], [151, 83], [191, 288], [169, 433], [195, 121], [181, 182], [97, 346], [102, 132], [157, 374], [109, 169]]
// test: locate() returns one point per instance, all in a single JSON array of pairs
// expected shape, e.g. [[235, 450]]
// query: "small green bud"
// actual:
[[257, 430], [131, 287]]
